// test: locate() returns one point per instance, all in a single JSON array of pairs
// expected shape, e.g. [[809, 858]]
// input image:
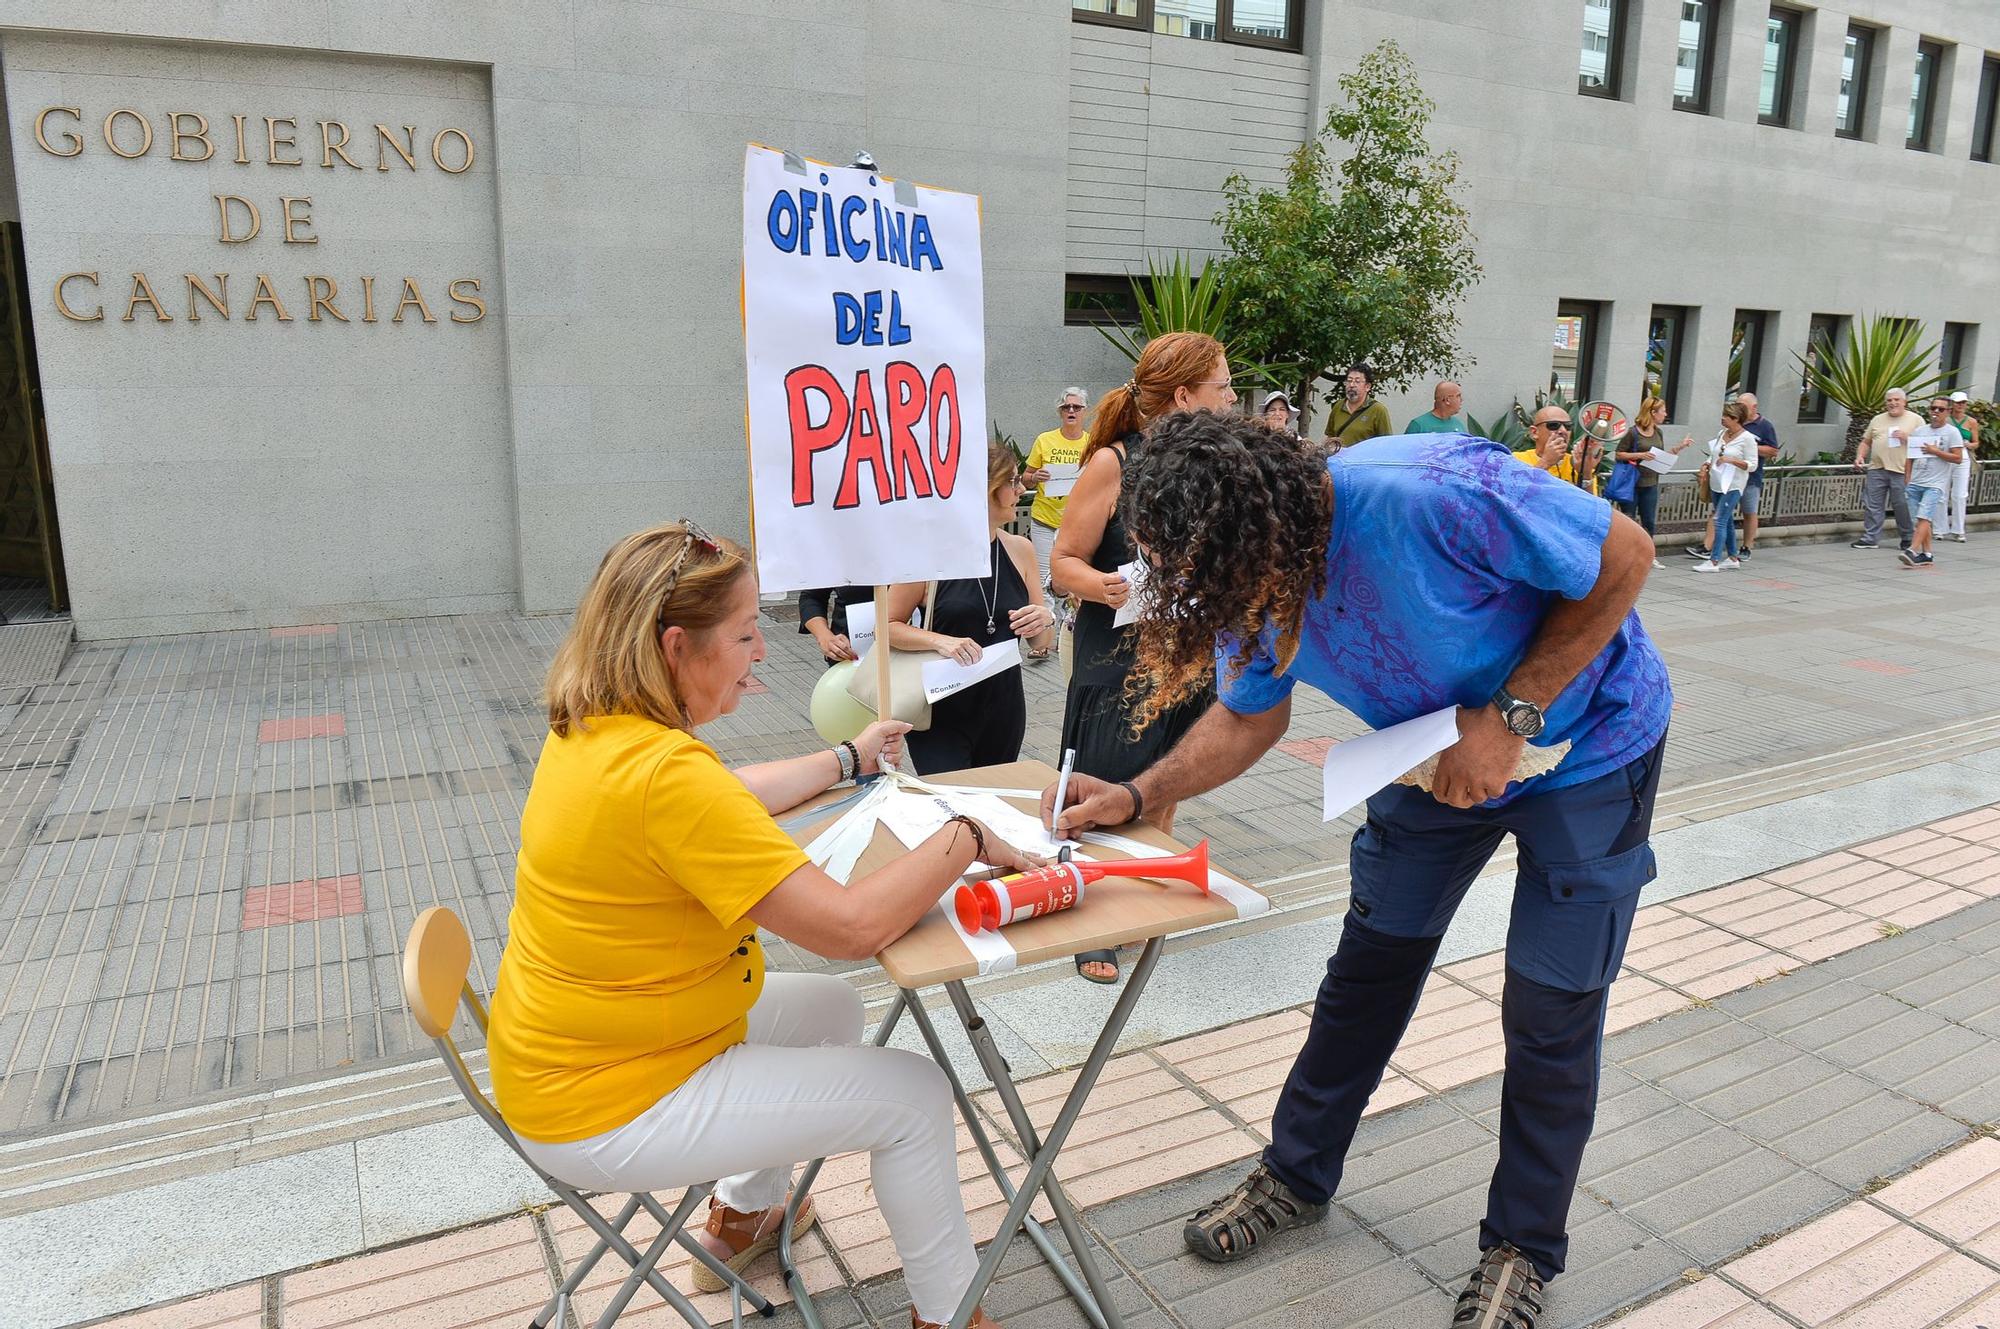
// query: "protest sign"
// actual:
[[864, 327]]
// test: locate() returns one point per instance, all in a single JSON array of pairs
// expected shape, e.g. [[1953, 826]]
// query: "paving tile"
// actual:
[[301, 901], [1708, 1304], [1957, 1196], [302, 726], [485, 1273], [237, 1308]]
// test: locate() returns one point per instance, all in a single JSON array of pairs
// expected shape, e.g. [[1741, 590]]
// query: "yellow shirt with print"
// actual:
[[1052, 449], [1564, 470], [629, 962]]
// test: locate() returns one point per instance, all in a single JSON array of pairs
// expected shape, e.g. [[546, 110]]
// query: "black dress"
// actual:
[[982, 725], [1097, 720]]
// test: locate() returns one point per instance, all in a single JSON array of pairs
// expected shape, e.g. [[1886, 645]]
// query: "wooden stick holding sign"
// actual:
[[864, 332]]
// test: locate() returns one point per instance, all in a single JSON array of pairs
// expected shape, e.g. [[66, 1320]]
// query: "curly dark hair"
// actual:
[[1234, 522]]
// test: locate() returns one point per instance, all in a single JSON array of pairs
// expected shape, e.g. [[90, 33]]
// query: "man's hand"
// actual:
[[1550, 454], [1480, 764], [1088, 803]]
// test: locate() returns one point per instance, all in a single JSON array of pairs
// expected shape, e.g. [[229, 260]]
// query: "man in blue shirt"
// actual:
[[1766, 434], [1400, 577]]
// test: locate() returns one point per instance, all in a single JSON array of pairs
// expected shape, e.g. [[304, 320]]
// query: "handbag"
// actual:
[[906, 675], [1623, 487]]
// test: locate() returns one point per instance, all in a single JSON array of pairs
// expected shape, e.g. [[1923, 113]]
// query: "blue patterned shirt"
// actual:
[[1445, 555]]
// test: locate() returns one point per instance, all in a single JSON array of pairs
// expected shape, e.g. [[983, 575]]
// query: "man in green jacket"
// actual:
[[1357, 416]]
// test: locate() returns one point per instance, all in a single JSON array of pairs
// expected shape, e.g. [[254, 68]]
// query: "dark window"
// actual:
[[1573, 371], [1694, 58], [1826, 335], [1983, 114], [1850, 112], [1273, 23], [1603, 59], [1747, 339], [1666, 344], [1923, 95], [1781, 51], [1091, 298], [1955, 354]]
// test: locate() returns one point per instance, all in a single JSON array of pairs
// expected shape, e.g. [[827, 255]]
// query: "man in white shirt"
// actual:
[[1934, 453], [1884, 450]]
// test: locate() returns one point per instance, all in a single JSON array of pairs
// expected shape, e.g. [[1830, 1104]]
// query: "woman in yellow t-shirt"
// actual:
[[636, 1041]]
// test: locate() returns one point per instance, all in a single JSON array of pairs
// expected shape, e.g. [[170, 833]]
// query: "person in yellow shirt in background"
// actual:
[[636, 1041], [1062, 446], [1552, 451]]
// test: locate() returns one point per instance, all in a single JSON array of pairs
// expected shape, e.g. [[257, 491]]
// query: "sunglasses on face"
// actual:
[[1067, 409], [1553, 426]]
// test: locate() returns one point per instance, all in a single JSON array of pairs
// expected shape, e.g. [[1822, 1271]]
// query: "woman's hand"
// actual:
[[964, 650], [1114, 589], [1686, 443], [1030, 620], [1038, 476], [834, 645], [879, 741], [1000, 854]]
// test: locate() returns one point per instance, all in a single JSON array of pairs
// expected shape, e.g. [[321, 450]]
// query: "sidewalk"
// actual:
[[1781, 1047]]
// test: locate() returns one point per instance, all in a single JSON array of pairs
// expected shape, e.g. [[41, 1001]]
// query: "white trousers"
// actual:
[[799, 1088], [1044, 540], [1957, 497]]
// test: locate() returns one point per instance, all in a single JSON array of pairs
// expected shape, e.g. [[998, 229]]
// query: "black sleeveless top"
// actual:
[[962, 604], [1103, 652]]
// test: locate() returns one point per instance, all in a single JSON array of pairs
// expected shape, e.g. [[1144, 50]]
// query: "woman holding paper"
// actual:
[[983, 723], [1732, 455], [636, 1042], [1640, 446], [1180, 371]]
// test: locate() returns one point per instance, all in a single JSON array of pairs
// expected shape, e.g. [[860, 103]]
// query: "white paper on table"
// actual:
[[914, 818], [1138, 593], [861, 627], [1358, 767], [1062, 478], [944, 677], [1661, 461]]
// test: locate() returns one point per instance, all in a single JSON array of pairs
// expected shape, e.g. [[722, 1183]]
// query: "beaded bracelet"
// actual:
[[853, 759]]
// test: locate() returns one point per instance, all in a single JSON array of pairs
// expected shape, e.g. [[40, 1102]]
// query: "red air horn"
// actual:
[[985, 905]]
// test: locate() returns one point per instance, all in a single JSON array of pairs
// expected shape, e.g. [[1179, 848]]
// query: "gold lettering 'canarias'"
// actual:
[[77, 297]]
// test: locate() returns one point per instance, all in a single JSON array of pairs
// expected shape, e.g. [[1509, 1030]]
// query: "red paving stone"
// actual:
[[236, 1308], [301, 901], [1772, 583], [1311, 751], [1880, 667], [307, 630], [302, 726]]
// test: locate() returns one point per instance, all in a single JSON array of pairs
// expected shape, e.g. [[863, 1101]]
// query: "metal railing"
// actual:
[[1804, 496]]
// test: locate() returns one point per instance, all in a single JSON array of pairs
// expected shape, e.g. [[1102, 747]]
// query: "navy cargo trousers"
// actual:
[[1583, 854]]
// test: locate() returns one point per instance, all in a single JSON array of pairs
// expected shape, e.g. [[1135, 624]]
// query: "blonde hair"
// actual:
[[671, 575], [1737, 411], [1001, 466], [1172, 360], [1645, 416]]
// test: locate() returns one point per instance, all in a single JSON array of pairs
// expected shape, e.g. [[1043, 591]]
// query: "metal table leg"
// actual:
[[1042, 1159], [803, 1187], [1036, 1232]]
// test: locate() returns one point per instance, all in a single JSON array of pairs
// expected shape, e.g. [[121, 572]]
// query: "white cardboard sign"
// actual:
[[864, 330]]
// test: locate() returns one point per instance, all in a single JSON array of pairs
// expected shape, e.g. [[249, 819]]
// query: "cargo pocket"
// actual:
[[1569, 930]]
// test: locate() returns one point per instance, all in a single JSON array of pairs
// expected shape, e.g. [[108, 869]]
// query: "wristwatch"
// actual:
[[1523, 718]]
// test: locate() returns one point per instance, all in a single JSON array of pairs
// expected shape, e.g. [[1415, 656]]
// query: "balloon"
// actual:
[[835, 713]]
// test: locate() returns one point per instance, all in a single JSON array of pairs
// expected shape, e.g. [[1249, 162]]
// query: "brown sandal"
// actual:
[[1261, 1206], [978, 1321], [737, 1238]]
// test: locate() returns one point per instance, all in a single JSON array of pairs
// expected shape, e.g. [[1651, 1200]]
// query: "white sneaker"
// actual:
[[1706, 567], [1729, 565], [1658, 564]]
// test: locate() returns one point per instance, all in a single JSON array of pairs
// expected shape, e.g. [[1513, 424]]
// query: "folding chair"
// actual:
[[436, 960]]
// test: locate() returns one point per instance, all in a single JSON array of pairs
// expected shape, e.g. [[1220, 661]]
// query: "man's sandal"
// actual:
[[737, 1238], [1260, 1207]]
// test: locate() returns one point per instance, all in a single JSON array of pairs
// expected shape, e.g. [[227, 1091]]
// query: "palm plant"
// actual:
[[1882, 353], [1175, 299]]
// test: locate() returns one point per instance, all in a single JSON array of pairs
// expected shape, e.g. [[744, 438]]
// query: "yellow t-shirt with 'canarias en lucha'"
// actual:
[[629, 960]]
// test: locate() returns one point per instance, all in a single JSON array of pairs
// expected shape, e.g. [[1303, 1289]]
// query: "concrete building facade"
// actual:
[[342, 308]]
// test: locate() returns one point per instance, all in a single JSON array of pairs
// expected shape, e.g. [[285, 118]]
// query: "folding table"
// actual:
[[1114, 911]]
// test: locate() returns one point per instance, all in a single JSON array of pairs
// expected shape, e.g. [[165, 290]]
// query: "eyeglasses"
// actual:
[[1067, 409], [1560, 426], [694, 537]]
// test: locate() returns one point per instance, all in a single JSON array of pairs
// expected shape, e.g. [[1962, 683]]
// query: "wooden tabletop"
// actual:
[[1114, 911]]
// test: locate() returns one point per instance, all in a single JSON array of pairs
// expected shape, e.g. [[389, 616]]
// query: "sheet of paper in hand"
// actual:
[[1661, 460], [1139, 593], [1062, 478], [1357, 767], [944, 677]]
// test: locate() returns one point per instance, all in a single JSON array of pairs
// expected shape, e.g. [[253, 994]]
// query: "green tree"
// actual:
[[1883, 353], [1361, 256]]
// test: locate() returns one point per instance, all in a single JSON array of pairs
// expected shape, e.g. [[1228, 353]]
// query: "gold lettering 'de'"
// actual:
[[222, 202]]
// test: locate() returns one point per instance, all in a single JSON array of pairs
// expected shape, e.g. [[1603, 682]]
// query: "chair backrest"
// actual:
[[436, 959]]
